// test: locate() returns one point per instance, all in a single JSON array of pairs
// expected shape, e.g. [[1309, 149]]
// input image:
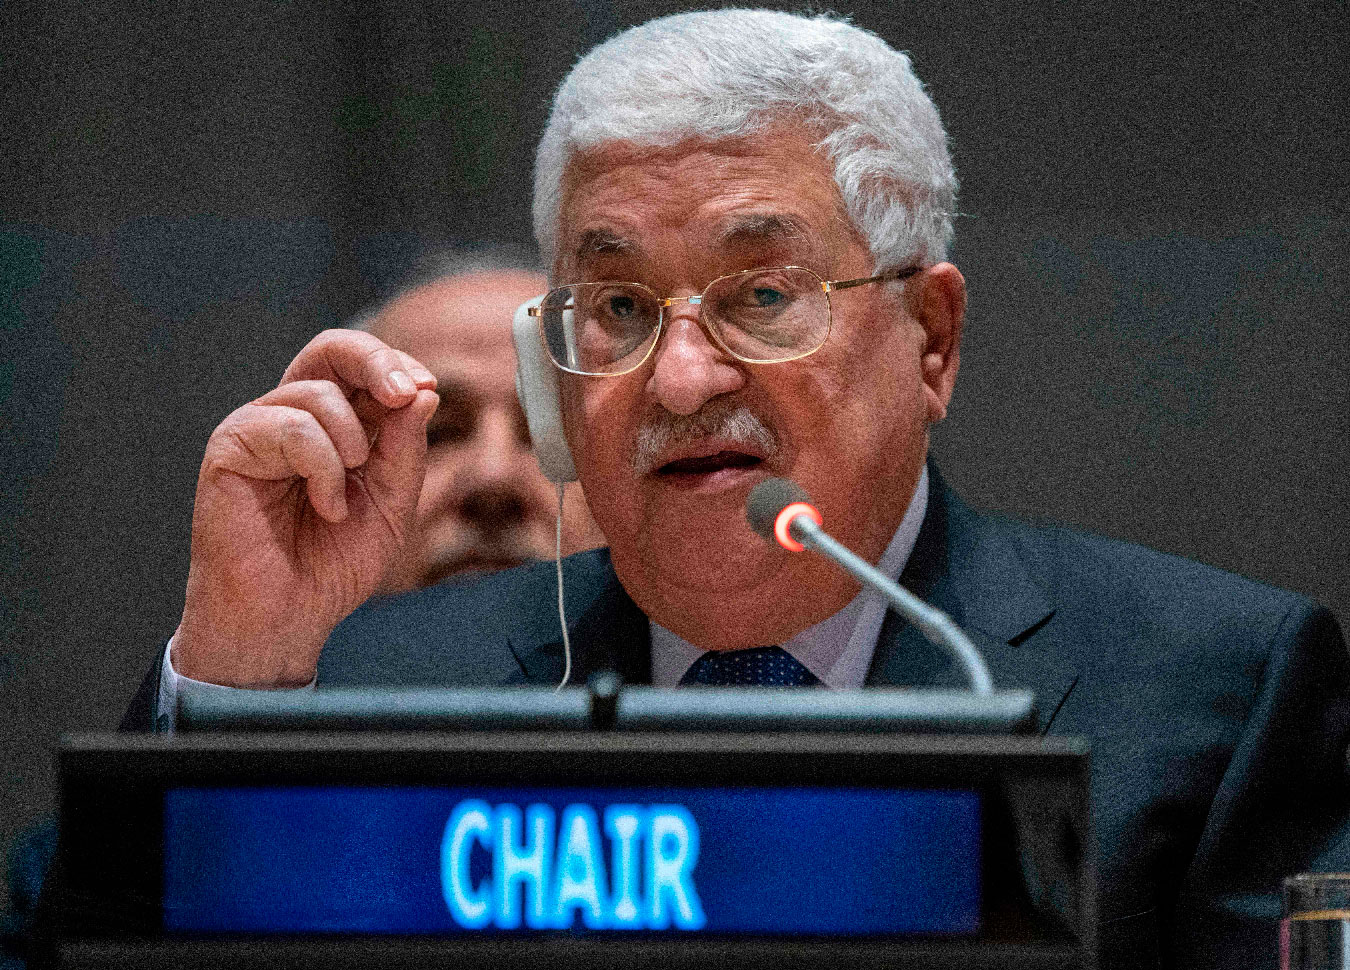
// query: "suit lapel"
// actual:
[[968, 568], [610, 634]]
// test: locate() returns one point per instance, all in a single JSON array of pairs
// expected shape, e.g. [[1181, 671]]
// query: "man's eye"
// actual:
[[766, 296], [618, 306], [449, 429]]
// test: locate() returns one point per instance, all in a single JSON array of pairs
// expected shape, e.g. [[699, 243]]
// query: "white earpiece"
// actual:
[[537, 388]]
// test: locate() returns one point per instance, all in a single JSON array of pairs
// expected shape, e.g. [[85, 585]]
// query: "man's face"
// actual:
[[484, 504], [849, 423]]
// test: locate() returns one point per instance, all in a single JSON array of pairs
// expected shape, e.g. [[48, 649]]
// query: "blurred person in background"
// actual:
[[484, 503]]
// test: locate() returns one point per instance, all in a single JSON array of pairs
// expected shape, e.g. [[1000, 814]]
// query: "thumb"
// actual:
[[397, 458]]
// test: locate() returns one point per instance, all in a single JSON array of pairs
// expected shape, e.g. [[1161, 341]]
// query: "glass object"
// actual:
[[1315, 930], [760, 316]]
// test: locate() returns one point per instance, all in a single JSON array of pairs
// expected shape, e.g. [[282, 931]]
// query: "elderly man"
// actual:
[[746, 215], [484, 504]]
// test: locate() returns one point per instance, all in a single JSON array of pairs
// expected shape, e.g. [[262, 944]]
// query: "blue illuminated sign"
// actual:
[[647, 882], [438, 861]]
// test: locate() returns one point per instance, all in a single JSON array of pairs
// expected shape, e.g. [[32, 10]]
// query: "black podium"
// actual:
[[777, 840]]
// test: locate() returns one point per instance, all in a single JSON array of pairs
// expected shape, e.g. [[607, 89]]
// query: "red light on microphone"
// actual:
[[784, 520]]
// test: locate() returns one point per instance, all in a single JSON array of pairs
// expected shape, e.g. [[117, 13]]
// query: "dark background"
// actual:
[[1153, 229]]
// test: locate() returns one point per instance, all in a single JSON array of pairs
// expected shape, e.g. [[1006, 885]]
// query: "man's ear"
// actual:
[[939, 305]]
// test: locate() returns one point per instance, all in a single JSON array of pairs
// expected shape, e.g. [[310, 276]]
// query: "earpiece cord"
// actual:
[[562, 612]]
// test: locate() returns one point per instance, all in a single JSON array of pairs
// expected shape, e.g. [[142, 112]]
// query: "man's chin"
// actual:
[[468, 567], [707, 562]]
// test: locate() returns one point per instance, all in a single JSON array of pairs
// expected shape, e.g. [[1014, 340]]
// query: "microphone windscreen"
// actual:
[[767, 499]]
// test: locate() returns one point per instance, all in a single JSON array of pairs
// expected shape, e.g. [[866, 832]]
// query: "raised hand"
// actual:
[[304, 498]]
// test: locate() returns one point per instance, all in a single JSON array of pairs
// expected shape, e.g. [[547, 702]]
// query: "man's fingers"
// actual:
[[274, 442], [423, 378], [334, 412], [397, 456], [361, 361]]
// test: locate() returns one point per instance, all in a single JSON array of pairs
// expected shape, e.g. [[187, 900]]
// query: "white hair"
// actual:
[[731, 73]]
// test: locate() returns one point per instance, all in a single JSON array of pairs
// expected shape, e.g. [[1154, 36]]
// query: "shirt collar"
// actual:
[[839, 648]]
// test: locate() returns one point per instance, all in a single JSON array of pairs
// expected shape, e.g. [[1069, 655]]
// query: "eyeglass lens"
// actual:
[[761, 316]]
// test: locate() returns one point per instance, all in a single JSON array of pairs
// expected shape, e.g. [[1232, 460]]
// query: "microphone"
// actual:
[[780, 511]]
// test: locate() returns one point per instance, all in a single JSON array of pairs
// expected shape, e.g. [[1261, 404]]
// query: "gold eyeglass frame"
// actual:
[[696, 299]]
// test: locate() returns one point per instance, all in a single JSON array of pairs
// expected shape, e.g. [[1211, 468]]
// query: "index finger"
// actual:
[[356, 360]]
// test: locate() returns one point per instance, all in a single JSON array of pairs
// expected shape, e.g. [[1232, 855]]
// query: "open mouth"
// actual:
[[708, 464]]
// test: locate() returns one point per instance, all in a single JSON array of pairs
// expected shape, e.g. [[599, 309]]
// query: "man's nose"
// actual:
[[493, 473], [495, 457], [690, 367]]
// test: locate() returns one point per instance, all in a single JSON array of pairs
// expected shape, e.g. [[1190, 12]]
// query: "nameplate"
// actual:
[[721, 860]]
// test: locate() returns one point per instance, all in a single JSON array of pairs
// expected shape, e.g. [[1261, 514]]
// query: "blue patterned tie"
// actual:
[[757, 667]]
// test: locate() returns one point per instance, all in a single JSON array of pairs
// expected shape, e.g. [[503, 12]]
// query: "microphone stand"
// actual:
[[934, 624]]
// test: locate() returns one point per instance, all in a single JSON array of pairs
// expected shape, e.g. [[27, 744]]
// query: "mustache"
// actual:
[[735, 423]]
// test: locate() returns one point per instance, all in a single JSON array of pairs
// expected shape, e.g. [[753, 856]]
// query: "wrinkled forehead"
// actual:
[[772, 187], [783, 136]]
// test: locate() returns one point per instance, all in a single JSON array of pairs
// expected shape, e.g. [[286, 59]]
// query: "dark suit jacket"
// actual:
[[1218, 708]]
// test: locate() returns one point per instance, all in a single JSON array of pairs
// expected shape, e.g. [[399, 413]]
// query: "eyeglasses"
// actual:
[[760, 316]]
